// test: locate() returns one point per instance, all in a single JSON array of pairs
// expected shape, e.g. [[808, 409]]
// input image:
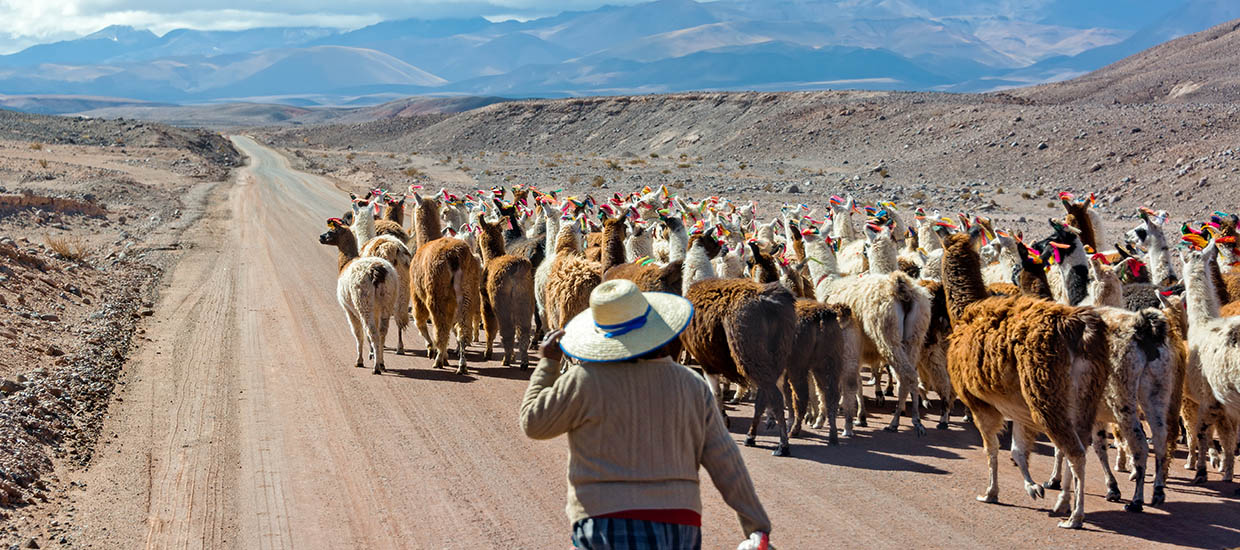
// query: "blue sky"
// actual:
[[27, 22]]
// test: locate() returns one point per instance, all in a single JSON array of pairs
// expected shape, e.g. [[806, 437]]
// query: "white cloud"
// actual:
[[27, 22]]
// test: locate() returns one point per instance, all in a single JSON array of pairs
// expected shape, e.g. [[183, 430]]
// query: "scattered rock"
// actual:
[[8, 387], [54, 351], [1096, 167], [1042, 146], [793, 189]]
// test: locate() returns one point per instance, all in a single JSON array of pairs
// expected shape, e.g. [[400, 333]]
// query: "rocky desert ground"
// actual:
[[174, 363]]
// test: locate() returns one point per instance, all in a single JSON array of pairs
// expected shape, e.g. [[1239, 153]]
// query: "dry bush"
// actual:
[[42, 163], [665, 171], [350, 156], [612, 164], [682, 165], [598, 181], [36, 146], [71, 247], [412, 172], [779, 171], [574, 179], [654, 155]]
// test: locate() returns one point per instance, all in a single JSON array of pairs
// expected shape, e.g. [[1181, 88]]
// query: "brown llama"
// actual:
[[828, 346], [1081, 215], [445, 277], [743, 331], [570, 279], [393, 222], [507, 295], [1041, 364]]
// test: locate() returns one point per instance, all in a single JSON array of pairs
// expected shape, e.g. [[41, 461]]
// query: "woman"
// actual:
[[639, 426]]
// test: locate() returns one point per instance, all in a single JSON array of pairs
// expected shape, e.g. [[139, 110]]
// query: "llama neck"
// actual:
[[677, 240], [821, 260], [395, 213], [926, 238], [841, 225], [1079, 218], [1159, 259], [363, 227], [613, 245], [566, 241], [346, 246], [638, 245], [1199, 292], [1216, 281], [697, 267], [962, 276], [490, 245], [1227, 259], [552, 225], [765, 270], [883, 256], [429, 227]]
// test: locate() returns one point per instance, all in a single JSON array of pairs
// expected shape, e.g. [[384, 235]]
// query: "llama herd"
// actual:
[[1092, 349]]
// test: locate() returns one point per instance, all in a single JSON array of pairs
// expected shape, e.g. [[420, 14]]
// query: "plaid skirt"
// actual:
[[634, 534]]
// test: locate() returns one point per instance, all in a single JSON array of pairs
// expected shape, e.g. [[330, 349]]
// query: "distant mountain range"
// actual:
[[662, 46]]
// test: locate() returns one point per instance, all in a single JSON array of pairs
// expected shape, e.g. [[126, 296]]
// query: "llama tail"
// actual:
[[1151, 334], [916, 312], [377, 273]]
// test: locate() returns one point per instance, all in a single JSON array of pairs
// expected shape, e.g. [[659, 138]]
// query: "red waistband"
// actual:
[[675, 516]]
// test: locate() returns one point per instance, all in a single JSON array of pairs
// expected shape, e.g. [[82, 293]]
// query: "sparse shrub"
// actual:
[[71, 247], [42, 163], [1025, 195], [613, 165], [779, 171], [598, 181], [36, 146], [998, 190], [463, 168], [743, 166], [918, 195], [412, 172], [574, 179], [1050, 205], [654, 155], [665, 171], [682, 165], [349, 157], [391, 155], [768, 188]]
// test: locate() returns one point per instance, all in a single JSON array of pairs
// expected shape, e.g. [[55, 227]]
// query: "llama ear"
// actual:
[[352, 197]]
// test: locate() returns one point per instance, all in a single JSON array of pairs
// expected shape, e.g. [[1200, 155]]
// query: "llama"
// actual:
[[894, 314], [1213, 357], [366, 288], [554, 234], [570, 279], [671, 277], [393, 222], [639, 244], [396, 253], [828, 346], [444, 285], [363, 225], [932, 367], [1149, 236], [1081, 215], [743, 331], [1042, 365], [507, 295]]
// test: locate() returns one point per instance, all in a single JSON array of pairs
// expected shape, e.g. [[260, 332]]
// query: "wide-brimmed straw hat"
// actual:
[[624, 322]]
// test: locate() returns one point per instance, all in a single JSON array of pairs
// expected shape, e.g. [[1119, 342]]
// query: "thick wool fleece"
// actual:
[[637, 434]]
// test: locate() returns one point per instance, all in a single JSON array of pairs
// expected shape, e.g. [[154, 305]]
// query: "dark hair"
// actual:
[[656, 353]]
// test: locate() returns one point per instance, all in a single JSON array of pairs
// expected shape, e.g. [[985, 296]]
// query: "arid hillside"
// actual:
[[1199, 68]]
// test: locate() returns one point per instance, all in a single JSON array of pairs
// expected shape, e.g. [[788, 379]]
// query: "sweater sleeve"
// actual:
[[723, 462], [552, 404]]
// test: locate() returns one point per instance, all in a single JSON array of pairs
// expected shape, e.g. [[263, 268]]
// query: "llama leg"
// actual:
[[908, 388], [1139, 450], [860, 398], [359, 336], [776, 401], [376, 343], [891, 381], [1122, 457], [1202, 430], [1055, 482], [507, 330], [989, 422], [490, 326], [1099, 444], [1076, 462], [1159, 432], [1227, 436], [523, 342], [799, 396], [1022, 443], [420, 317], [894, 425], [759, 407], [948, 399], [849, 384]]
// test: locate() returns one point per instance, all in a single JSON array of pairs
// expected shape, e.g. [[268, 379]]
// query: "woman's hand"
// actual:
[[550, 346]]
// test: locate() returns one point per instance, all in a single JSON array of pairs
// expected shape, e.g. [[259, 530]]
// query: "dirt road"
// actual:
[[244, 425]]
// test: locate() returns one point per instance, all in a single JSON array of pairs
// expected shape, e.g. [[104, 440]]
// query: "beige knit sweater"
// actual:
[[637, 432]]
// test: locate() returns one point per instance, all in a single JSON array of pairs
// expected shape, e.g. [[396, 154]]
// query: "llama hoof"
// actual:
[[941, 426], [461, 370], [1035, 491], [770, 422], [378, 369], [750, 441], [1200, 477], [862, 422], [818, 425], [892, 429], [848, 433], [1159, 496], [525, 365], [359, 365], [795, 432], [919, 429], [1112, 493], [878, 398], [1052, 485], [1134, 507], [1071, 524], [988, 499], [833, 440], [1122, 468], [1188, 465], [782, 450]]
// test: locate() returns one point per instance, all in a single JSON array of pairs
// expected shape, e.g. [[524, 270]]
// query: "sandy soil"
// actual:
[[242, 424]]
